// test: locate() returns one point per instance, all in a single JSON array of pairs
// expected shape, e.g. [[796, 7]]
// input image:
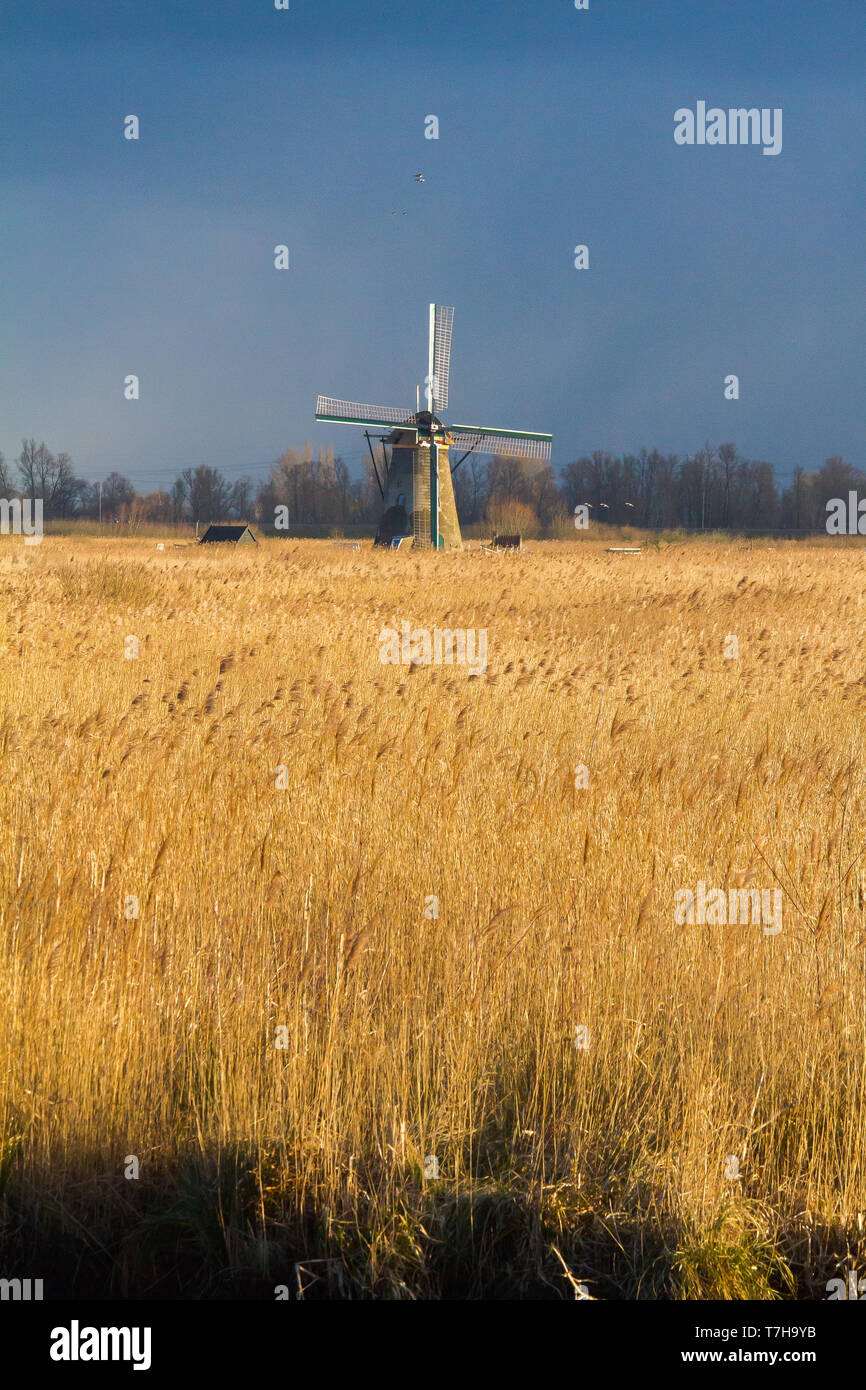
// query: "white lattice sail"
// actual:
[[506, 443], [441, 325], [331, 411]]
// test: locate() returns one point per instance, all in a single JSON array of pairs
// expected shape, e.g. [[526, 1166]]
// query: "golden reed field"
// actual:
[[375, 973]]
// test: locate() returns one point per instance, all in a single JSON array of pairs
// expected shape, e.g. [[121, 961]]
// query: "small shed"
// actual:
[[237, 535]]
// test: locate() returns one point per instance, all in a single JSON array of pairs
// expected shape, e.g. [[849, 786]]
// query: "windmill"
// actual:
[[416, 487]]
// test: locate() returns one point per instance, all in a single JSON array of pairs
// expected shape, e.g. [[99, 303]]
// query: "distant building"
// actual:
[[237, 535]]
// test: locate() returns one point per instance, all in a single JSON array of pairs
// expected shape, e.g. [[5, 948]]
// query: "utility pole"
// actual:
[[100, 501]]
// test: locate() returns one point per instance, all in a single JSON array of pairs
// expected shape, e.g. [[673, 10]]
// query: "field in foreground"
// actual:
[[287, 1034]]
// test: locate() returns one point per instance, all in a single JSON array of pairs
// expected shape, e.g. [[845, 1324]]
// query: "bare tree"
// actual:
[[118, 494], [727, 460], [241, 499], [178, 499], [52, 479], [208, 494]]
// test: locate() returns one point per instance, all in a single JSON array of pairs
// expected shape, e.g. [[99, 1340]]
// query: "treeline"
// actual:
[[714, 489]]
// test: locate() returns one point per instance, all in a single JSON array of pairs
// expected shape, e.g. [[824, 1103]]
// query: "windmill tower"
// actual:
[[415, 482]]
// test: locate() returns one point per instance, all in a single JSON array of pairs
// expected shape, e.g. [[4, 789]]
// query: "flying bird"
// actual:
[[420, 178]]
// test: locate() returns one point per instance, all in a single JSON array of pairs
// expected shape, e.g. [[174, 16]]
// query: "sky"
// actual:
[[306, 127]]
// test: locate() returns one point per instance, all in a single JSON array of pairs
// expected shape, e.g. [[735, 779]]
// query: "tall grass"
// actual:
[[305, 916]]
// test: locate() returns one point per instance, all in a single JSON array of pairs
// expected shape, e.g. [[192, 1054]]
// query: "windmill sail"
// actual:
[[505, 443], [441, 324], [333, 412]]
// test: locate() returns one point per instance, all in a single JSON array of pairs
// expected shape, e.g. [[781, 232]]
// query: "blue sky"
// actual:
[[306, 127]]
